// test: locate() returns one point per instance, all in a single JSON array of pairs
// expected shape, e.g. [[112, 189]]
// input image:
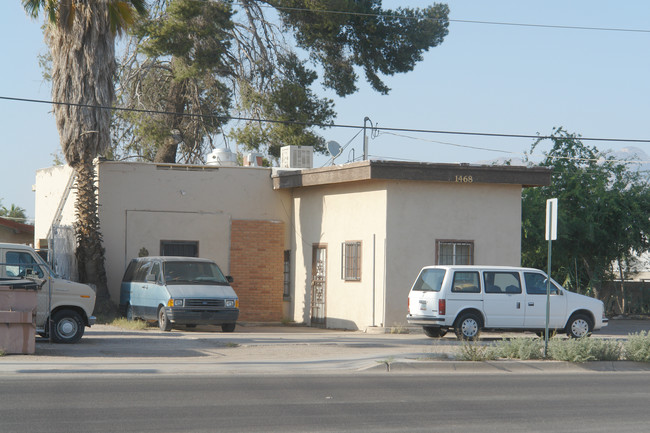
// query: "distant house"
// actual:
[[335, 247], [15, 232]]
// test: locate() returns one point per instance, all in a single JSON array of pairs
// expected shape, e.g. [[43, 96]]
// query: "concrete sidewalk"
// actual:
[[106, 349]]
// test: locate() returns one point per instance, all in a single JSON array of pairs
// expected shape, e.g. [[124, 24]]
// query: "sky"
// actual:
[[498, 79]]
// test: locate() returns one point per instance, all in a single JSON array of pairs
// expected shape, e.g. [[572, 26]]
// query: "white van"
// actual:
[[471, 298], [70, 305]]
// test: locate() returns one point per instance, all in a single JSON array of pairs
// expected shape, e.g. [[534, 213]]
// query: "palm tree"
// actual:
[[14, 212], [81, 35]]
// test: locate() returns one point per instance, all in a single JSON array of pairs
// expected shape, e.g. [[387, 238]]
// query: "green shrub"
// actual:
[[584, 349], [474, 351], [637, 347], [520, 348]]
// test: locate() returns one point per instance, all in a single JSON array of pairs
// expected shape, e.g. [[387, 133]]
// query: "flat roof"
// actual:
[[414, 171]]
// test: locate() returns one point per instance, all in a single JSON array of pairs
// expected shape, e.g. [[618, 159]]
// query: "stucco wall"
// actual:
[[141, 204], [50, 185], [332, 215], [419, 213]]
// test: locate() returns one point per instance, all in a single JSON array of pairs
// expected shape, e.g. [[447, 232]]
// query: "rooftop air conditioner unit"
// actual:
[[297, 157]]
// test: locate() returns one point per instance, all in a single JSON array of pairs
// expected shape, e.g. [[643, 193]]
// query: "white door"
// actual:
[[536, 303], [503, 299]]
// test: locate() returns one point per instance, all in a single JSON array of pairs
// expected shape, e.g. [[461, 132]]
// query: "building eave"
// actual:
[[414, 171]]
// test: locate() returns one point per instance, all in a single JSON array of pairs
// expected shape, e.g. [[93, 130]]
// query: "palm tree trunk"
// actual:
[[90, 252]]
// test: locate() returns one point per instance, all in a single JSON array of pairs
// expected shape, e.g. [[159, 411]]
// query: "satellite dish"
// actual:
[[334, 148]]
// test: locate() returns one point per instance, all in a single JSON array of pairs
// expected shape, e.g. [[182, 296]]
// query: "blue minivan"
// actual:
[[178, 291]]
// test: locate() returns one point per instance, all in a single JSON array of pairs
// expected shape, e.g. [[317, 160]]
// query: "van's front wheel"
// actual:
[[579, 326], [468, 326], [67, 326], [228, 327], [163, 321], [434, 331]]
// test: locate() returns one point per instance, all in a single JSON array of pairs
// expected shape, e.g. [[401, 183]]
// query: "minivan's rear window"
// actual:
[[430, 280]]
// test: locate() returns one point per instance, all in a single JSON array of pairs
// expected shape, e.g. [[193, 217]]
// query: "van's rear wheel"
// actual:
[[468, 326], [163, 322], [434, 331], [129, 313]]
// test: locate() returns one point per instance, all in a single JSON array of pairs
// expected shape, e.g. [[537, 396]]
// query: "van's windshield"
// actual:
[[429, 280], [193, 273]]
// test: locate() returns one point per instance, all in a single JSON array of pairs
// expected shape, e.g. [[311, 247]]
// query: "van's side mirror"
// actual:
[[229, 279]]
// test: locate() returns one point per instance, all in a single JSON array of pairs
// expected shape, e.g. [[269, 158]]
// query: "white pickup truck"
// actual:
[[67, 304]]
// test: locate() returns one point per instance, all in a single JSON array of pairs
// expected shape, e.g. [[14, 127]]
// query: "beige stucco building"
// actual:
[[336, 246]]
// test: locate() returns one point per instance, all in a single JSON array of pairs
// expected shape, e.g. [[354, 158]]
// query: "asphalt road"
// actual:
[[587, 402]]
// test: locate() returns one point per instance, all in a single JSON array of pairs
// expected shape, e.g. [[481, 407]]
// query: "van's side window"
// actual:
[[24, 262], [536, 284], [502, 282], [466, 282], [155, 273], [141, 273]]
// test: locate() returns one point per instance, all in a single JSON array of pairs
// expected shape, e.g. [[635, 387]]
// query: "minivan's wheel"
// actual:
[[579, 326], [129, 313], [67, 326], [468, 326], [434, 331], [228, 327], [163, 322]]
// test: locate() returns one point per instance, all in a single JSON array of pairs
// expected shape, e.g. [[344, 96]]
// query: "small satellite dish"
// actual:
[[334, 148]]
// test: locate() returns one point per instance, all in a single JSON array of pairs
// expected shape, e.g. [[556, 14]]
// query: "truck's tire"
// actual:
[[67, 326]]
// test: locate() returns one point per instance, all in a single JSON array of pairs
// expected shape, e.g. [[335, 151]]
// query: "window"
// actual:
[[351, 261], [536, 284], [502, 282], [179, 248], [466, 282], [20, 264], [287, 274], [430, 280], [455, 252]]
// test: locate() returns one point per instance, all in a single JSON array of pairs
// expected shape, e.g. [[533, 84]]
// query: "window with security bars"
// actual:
[[179, 248], [351, 261], [287, 274], [455, 252]]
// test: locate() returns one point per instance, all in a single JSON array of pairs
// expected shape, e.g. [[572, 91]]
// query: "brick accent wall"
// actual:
[[257, 266]]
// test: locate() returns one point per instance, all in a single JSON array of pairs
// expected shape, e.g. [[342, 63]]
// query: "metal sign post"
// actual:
[[551, 235]]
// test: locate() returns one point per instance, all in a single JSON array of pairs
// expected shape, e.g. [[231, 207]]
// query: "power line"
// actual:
[[494, 23], [323, 125]]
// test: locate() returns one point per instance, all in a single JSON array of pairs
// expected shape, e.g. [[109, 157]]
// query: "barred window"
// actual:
[[351, 261], [179, 248], [455, 252], [287, 274]]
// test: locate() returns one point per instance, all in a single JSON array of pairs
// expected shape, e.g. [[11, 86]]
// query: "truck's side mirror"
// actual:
[[229, 279]]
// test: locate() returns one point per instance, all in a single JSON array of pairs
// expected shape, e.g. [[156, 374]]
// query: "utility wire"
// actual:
[[495, 23], [321, 125]]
